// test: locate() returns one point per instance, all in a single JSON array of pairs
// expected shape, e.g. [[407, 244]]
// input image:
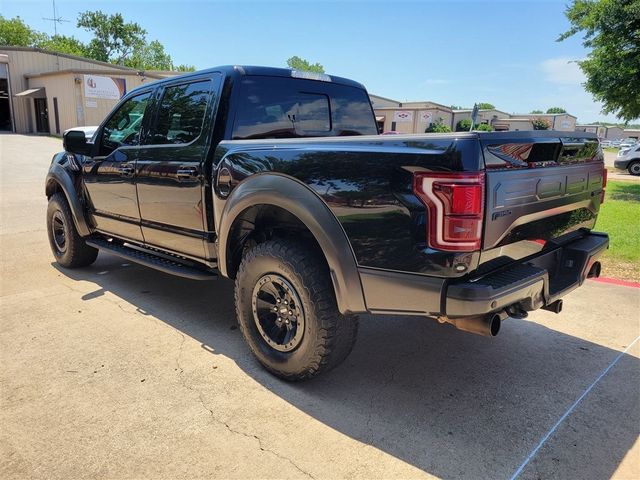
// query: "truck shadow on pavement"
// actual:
[[452, 404]]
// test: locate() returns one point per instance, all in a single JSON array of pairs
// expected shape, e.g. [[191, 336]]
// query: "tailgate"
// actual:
[[539, 186]]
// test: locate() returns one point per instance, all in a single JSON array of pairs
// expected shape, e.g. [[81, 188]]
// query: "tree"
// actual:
[[150, 56], [113, 39], [463, 125], [540, 124], [457, 107], [536, 111], [437, 127], [64, 44], [184, 68], [485, 106], [297, 63], [611, 29], [556, 110], [14, 32]]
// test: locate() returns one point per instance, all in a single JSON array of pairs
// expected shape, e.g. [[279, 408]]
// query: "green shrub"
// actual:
[[540, 124], [463, 125], [484, 127], [437, 127]]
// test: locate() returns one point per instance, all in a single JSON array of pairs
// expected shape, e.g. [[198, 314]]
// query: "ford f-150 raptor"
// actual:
[[279, 180]]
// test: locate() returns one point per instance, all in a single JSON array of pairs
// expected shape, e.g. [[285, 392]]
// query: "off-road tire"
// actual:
[[634, 168], [75, 253], [328, 336]]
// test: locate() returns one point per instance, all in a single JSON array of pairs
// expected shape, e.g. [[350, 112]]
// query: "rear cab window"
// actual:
[[281, 107]]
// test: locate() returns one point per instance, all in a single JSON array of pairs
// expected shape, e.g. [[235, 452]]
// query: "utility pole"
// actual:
[[56, 19]]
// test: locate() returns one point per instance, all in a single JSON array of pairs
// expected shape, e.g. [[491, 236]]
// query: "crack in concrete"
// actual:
[[213, 417], [183, 382]]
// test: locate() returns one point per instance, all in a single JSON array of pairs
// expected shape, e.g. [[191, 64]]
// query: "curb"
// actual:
[[615, 281]]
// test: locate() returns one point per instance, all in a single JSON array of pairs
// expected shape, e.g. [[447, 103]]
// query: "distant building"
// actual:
[[489, 116], [409, 117], [632, 133], [415, 117], [603, 131], [47, 92]]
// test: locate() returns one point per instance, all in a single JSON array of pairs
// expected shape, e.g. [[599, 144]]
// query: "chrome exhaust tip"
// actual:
[[555, 307], [485, 325], [594, 271]]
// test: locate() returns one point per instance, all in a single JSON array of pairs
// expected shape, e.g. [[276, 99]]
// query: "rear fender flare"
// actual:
[[299, 200], [59, 176]]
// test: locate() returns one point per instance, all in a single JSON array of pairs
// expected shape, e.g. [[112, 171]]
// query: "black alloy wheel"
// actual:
[[278, 313]]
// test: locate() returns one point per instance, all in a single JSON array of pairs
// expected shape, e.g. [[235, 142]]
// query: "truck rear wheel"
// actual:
[[287, 311], [68, 247]]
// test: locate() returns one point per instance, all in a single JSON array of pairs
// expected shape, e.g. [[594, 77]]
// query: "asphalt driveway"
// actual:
[[117, 371]]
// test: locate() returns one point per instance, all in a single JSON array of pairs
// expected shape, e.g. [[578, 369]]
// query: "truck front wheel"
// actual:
[[287, 311], [68, 247]]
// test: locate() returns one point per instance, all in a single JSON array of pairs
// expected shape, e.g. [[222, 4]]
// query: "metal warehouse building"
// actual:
[[47, 92]]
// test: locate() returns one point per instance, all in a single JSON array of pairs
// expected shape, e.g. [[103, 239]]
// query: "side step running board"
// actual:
[[148, 258]]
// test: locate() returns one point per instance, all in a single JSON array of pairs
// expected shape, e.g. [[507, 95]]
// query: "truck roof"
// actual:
[[250, 70]]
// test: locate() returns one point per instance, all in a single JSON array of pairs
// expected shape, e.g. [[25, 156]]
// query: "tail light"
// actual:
[[455, 203], [604, 184]]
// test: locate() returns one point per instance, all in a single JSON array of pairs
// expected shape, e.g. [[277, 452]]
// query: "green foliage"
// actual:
[[15, 32], [611, 29], [458, 107], [634, 126], [620, 217], [184, 68], [556, 110], [64, 44], [484, 127], [463, 125], [297, 63], [437, 127], [150, 56], [536, 111], [114, 40], [540, 124], [486, 106]]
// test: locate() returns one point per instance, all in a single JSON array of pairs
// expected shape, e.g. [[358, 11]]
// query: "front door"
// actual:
[[42, 115], [109, 176], [169, 174]]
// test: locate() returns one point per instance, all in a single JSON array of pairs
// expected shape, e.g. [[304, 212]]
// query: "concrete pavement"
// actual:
[[117, 371]]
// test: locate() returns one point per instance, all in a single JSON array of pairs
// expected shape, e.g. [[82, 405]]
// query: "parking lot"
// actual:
[[118, 371]]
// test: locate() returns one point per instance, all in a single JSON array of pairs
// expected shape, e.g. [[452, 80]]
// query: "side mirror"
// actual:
[[75, 141]]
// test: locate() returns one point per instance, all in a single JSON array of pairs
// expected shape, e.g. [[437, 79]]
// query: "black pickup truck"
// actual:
[[278, 179]]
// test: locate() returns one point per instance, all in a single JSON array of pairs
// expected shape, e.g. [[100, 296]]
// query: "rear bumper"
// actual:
[[532, 283]]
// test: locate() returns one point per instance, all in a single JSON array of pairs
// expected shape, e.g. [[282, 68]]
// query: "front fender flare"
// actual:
[[60, 176], [298, 199]]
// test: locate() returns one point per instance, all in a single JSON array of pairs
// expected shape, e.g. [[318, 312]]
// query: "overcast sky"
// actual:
[[454, 52]]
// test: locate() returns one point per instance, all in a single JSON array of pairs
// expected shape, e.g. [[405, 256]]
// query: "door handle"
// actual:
[[185, 173], [126, 170]]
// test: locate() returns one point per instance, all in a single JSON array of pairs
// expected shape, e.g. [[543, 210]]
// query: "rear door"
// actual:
[[169, 171], [109, 175], [539, 187]]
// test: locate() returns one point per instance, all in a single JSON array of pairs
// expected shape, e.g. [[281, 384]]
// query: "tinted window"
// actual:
[[123, 128], [276, 107], [181, 113]]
